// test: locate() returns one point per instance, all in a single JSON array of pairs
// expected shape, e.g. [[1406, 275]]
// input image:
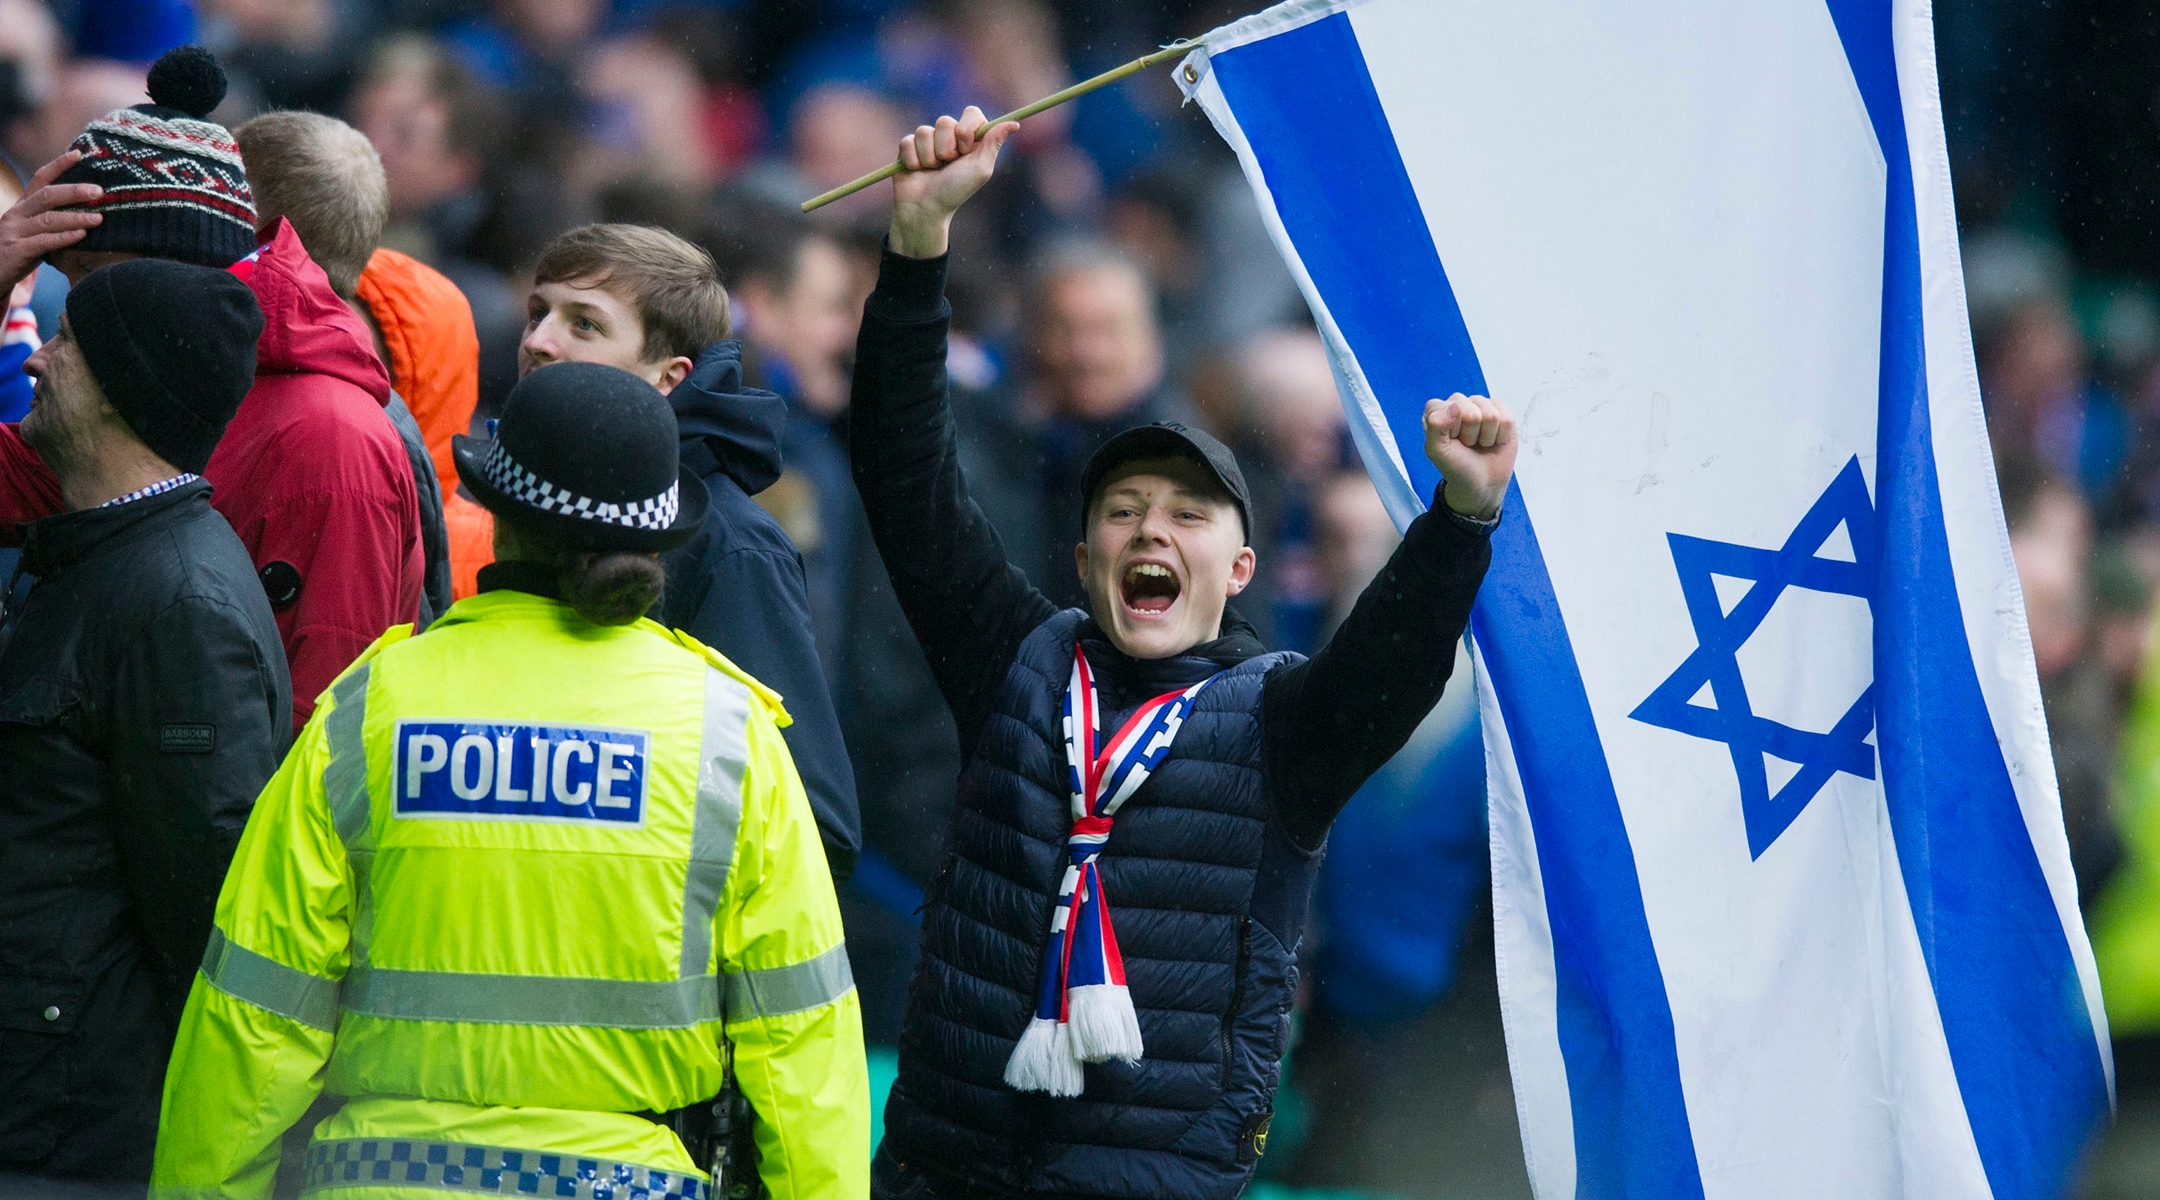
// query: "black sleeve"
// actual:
[[757, 612], [193, 740], [435, 595], [970, 607], [1333, 720]]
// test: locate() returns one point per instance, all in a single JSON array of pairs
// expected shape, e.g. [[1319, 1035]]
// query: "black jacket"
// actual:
[[143, 705], [738, 585], [434, 535], [1323, 726]]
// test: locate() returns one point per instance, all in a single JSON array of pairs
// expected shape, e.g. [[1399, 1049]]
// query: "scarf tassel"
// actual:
[[1103, 1023], [1044, 1060]]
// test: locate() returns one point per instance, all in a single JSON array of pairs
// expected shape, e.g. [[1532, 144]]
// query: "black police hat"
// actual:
[[1166, 439], [586, 456]]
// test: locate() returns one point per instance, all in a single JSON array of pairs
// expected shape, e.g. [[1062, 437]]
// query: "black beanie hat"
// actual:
[[174, 185], [173, 347]]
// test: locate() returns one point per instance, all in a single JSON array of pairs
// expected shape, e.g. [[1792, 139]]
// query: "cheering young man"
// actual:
[[1110, 943]]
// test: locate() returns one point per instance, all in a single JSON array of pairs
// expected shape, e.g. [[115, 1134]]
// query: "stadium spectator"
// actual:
[[1155, 218], [143, 704], [1095, 368], [310, 473], [647, 302], [32, 51], [287, 53], [527, 46], [83, 89], [794, 305], [439, 132], [323, 176], [835, 132], [1219, 861], [2043, 403], [2051, 542], [1407, 859], [1291, 425], [648, 115], [18, 325]]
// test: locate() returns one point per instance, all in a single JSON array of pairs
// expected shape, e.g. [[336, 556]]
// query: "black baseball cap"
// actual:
[[1167, 439]]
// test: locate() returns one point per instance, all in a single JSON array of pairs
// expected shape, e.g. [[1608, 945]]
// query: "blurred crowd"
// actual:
[[1116, 272]]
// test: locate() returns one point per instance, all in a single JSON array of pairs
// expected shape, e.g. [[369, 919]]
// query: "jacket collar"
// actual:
[[1130, 676], [512, 575], [57, 543]]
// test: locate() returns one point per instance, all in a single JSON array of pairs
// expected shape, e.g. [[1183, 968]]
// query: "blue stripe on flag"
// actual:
[[2021, 1040], [1632, 1136], [1357, 225], [1314, 120]]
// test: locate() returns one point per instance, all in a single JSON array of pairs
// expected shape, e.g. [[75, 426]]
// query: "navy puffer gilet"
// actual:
[[1207, 893]]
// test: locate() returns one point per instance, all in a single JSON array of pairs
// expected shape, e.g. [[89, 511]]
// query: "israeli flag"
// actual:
[[1783, 901]]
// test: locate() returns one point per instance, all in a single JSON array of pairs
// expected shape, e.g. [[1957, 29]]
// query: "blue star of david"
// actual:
[[1720, 634]]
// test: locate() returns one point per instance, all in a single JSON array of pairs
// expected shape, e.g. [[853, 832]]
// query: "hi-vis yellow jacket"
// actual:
[[517, 880], [2125, 921]]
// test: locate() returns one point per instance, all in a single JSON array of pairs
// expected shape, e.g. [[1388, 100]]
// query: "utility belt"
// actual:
[[721, 1136]]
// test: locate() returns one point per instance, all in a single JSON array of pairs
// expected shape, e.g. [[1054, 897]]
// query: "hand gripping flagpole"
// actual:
[[1020, 114]]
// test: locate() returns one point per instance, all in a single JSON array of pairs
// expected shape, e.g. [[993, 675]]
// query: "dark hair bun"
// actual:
[[612, 588], [187, 78]]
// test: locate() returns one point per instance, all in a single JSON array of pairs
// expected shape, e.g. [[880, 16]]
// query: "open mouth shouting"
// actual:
[[1149, 589]]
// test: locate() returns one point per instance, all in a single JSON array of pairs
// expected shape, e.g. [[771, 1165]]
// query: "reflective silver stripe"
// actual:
[[530, 999], [777, 991], [723, 758], [345, 780], [269, 984], [403, 1164], [345, 785]]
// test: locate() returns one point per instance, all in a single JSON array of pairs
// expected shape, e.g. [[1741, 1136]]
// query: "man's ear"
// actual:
[[672, 373], [1080, 559], [1242, 568]]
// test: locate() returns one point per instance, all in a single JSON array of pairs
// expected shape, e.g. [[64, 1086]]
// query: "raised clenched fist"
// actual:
[[1472, 440]]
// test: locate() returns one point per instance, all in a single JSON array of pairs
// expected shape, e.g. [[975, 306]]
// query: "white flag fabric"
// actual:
[[1782, 898]]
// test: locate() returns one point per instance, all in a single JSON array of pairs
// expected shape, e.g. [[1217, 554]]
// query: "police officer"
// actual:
[[530, 875]]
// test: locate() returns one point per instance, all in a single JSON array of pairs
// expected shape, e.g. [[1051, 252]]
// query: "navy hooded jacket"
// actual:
[[738, 585]]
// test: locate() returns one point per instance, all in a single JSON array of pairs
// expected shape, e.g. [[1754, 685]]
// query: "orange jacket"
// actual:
[[435, 364]]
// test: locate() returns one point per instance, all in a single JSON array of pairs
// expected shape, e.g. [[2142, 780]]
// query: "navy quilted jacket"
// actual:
[[1209, 868]]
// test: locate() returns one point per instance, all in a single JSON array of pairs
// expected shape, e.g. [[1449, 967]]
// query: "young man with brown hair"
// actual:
[[650, 303], [1110, 945]]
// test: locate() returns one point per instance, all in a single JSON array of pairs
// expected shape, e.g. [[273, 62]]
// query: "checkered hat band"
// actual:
[[513, 480]]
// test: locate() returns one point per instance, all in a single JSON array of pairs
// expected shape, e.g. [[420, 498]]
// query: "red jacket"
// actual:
[[310, 474]]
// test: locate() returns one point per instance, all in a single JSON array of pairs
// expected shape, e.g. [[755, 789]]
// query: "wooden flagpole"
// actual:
[[1021, 114]]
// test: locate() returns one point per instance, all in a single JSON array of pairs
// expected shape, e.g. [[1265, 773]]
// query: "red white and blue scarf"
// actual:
[[1083, 1012]]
